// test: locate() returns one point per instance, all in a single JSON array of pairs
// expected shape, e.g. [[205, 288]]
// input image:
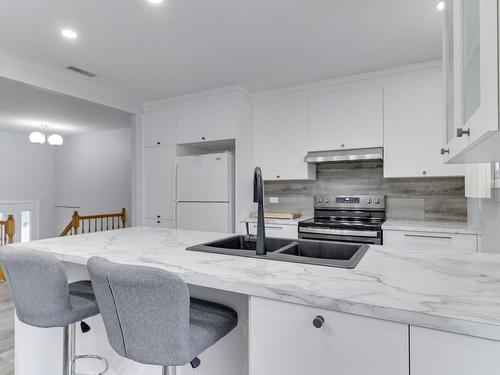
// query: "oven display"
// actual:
[[347, 200]]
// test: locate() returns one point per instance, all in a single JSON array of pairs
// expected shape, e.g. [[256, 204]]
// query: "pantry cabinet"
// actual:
[[160, 127], [295, 340], [435, 352], [471, 68], [413, 127], [207, 120], [346, 119], [159, 178], [280, 140]]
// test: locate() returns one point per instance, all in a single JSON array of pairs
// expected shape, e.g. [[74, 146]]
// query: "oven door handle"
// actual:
[[341, 232]]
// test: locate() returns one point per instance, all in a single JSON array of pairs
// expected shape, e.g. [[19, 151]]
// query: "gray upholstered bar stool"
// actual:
[[150, 318], [43, 298]]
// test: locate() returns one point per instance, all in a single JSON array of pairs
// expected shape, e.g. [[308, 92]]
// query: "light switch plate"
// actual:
[[274, 200]]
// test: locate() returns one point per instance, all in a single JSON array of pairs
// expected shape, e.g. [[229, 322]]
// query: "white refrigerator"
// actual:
[[205, 192]]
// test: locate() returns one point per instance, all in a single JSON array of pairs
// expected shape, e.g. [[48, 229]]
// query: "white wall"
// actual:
[[93, 172], [485, 213], [27, 172]]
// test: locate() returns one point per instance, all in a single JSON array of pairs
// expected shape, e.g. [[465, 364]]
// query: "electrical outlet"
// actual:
[[274, 200]]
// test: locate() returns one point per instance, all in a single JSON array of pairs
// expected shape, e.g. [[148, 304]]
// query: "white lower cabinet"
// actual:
[[272, 230], [169, 224], [284, 341], [435, 352], [431, 241]]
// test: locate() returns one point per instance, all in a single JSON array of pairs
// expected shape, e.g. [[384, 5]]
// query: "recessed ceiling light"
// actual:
[[440, 5], [69, 34], [156, 1]]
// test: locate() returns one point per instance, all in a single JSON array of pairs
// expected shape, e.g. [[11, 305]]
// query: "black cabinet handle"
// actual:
[[318, 321], [202, 138], [158, 143], [158, 222], [278, 176], [158, 216]]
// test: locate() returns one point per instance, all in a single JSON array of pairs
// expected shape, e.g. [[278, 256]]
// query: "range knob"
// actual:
[[327, 200], [369, 200], [320, 200], [377, 201]]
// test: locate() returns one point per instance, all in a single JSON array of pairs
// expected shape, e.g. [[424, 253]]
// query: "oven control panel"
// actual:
[[350, 201]]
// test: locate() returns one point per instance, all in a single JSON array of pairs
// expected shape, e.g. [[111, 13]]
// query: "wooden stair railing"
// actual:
[[95, 223], [7, 231]]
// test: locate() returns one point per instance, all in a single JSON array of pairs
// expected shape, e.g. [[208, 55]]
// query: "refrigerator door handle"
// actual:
[[174, 179]]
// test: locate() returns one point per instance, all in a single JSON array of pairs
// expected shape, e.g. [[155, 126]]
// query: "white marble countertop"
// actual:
[[445, 290], [278, 221], [451, 227]]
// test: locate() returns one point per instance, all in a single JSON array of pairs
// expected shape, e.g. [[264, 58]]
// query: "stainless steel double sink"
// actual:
[[323, 253]]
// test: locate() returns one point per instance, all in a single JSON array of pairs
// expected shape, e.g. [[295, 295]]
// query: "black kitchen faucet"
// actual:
[[258, 197]]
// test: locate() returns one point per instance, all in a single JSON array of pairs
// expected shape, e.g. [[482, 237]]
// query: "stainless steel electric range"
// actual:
[[356, 219]]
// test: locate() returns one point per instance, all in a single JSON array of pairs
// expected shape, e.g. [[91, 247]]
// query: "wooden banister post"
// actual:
[[123, 217], [76, 222], [10, 229]]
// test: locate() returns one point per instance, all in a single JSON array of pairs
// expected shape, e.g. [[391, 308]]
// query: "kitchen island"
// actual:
[[392, 290]]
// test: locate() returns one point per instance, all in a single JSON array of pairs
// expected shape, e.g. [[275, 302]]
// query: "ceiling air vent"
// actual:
[[81, 71]]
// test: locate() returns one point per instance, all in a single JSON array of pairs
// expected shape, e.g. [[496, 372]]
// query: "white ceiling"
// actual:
[[150, 52], [25, 108]]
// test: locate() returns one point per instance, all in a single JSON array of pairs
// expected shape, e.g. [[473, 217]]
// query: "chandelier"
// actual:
[[40, 137]]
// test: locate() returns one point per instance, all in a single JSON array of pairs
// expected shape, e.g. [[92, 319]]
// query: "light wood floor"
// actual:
[[6, 331]]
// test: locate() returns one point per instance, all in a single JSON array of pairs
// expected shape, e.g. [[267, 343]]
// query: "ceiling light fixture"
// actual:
[[156, 1], [52, 139], [440, 5], [37, 138], [69, 34]]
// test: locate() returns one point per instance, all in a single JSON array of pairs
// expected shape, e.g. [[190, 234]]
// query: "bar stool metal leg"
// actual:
[[169, 370], [69, 356]]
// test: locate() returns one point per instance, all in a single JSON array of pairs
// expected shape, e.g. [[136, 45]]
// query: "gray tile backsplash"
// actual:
[[407, 198]]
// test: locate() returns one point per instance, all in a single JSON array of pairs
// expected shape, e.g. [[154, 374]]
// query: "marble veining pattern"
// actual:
[[444, 290]]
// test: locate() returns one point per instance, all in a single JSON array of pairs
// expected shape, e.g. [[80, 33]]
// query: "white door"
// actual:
[[160, 127], [206, 217], [200, 121], [346, 120], [413, 127], [475, 69], [159, 180], [204, 178], [280, 140], [284, 341], [443, 353], [26, 219]]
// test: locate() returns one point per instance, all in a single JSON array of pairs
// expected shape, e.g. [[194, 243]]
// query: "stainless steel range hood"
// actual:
[[360, 154]]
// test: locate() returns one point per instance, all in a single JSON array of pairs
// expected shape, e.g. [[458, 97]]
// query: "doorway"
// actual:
[[26, 218]]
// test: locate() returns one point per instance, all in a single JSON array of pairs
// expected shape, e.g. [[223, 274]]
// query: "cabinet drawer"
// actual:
[[272, 230], [170, 224], [284, 340], [430, 241]]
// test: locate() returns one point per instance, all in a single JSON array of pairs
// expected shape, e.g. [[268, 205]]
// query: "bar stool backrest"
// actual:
[[145, 311], [39, 286]]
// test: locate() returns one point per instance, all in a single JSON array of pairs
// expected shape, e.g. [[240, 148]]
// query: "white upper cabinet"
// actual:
[[414, 127], [159, 182], [346, 119], [209, 120], [471, 65], [280, 140], [160, 127]]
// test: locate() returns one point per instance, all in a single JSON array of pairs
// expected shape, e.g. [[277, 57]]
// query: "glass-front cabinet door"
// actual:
[[470, 60]]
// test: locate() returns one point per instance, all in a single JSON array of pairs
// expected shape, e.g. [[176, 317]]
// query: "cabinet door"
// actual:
[[475, 69], [413, 128], [159, 179], [272, 230], [430, 241], [166, 224], [283, 340], [207, 121], [160, 127], [280, 140], [346, 120], [439, 353]]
